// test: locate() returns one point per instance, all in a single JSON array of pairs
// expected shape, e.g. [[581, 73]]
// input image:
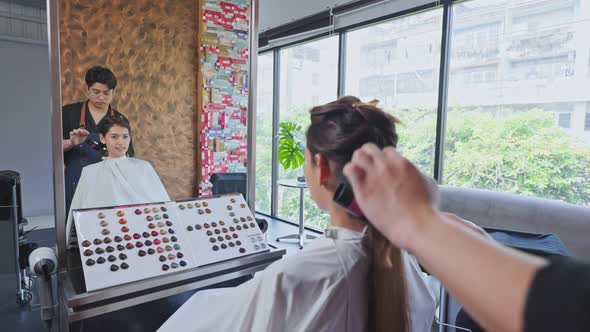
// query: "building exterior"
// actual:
[[506, 56]]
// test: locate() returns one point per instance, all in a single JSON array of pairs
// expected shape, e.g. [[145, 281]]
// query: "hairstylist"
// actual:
[[503, 289], [81, 144]]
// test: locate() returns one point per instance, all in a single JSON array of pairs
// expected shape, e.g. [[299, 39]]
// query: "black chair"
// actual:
[[8, 181], [14, 258], [226, 183], [544, 245]]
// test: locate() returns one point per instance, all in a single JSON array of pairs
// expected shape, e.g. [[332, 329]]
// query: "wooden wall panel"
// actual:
[[151, 47]]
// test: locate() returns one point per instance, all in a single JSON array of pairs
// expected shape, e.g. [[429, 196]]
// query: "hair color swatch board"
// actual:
[[125, 244]]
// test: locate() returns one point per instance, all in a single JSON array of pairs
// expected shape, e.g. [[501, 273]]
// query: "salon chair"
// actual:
[[228, 183], [544, 245], [12, 237]]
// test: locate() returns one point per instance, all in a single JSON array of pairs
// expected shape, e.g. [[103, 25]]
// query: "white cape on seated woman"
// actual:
[[349, 280], [117, 180], [322, 288]]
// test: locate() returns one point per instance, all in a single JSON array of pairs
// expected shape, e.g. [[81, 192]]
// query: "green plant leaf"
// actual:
[[291, 147]]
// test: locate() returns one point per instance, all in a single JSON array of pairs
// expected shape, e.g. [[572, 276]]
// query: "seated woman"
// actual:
[[117, 180], [350, 280]]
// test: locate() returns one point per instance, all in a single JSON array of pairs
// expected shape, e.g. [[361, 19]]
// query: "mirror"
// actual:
[[186, 104]]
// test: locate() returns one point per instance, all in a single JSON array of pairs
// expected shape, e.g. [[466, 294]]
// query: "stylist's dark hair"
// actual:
[[337, 129], [109, 121], [101, 75]]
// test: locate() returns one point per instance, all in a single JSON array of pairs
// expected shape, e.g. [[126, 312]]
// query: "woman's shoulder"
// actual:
[[140, 162], [92, 167], [319, 260]]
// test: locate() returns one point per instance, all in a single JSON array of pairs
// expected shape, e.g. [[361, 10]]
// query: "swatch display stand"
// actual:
[[119, 245]]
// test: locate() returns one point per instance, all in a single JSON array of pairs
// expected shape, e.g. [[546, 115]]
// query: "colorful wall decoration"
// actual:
[[224, 39]]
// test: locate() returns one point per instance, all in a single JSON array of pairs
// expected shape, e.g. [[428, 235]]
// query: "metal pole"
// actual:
[[56, 132], [341, 64], [442, 311], [21, 296], [57, 151], [301, 202], [251, 154], [441, 122], [443, 89], [276, 76]]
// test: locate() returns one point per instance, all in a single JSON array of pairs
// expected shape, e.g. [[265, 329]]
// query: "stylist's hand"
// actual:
[[391, 192], [77, 136]]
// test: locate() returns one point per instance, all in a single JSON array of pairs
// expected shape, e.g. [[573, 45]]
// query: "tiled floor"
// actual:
[[278, 228]]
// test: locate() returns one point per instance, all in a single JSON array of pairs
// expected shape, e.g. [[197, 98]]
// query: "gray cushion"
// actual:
[[501, 210]]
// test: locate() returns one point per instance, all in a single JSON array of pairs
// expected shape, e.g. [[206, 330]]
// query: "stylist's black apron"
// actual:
[[80, 156]]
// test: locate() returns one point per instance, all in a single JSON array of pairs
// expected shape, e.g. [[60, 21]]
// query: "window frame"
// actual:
[[441, 110], [487, 73]]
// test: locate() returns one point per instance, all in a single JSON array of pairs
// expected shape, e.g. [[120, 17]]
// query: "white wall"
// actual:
[[25, 125]]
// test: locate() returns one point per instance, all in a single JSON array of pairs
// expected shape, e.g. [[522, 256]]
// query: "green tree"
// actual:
[[517, 152], [263, 163], [417, 135]]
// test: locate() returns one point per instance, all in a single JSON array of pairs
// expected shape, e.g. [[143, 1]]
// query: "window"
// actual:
[[315, 100], [319, 64], [264, 101], [520, 134], [24, 21], [377, 85], [475, 42], [550, 67], [518, 110], [543, 14], [379, 54], [477, 36], [419, 81], [300, 55], [315, 79], [564, 120], [397, 62], [474, 75]]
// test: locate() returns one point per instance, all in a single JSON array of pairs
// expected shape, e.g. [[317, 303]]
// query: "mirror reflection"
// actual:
[[138, 125], [140, 65]]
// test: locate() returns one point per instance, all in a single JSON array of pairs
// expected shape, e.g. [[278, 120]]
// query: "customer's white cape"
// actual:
[[322, 288], [116, 181]]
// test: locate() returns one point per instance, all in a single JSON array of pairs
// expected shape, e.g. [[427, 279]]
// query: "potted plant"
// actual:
[[291, 147]]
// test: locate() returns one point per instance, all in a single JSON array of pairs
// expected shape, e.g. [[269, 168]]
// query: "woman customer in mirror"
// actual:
[[352, 279], [117, 179]]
